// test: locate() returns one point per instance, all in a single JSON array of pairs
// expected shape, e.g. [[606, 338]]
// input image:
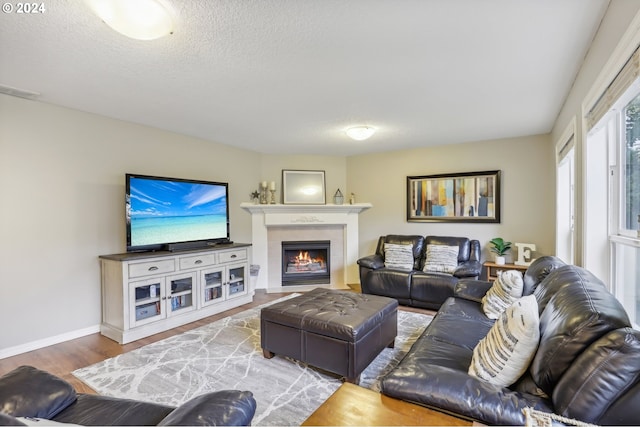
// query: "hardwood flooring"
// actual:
[[61, 359]]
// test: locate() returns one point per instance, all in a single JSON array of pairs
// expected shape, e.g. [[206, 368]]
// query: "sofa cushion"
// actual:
[[505, 353], [441, 259], [576, 310], [390, 283], [605, 372], [432, 288], [29, 392], [398, 256], [506, 289], [466, 319]]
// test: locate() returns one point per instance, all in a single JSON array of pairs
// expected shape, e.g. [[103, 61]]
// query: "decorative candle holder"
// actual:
[[273, 196], [263, 193]]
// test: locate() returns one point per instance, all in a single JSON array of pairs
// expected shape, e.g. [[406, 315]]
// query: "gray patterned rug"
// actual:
[[226, 354]]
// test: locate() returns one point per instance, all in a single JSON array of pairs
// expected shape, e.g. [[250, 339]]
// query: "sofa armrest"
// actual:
[[471, 289], [454, 391], [29, 392], [218, 408], [469, 269], [373, 262]]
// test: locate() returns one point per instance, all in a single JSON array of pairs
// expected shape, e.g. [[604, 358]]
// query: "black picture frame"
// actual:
[[454, 197]]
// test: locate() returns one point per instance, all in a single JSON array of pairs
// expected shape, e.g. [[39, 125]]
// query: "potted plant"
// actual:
[[500, 248]]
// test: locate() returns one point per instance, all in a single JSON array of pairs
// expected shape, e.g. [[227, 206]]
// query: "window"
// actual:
[[611, 222], [630, 169]]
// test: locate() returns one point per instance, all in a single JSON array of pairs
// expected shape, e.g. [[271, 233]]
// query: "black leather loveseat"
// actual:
[[413, 286], [29, 395], [586, 366]]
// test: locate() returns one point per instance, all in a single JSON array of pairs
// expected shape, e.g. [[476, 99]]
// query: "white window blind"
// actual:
[[627, 75]]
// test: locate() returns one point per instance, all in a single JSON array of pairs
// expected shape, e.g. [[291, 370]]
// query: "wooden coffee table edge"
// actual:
[[352, 405]]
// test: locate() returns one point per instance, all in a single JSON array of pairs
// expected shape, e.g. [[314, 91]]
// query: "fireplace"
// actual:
[[273, 224], [306, 262]]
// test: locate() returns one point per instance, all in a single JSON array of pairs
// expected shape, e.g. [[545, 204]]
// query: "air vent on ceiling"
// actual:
[[20, 93]]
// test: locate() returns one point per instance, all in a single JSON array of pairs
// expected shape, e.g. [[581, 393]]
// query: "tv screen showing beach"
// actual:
[[166, 211]]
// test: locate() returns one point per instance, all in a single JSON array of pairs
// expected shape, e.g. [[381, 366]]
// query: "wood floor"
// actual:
[[61, 359]]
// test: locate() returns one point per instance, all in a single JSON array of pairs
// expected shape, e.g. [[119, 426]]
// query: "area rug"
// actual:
[[226, 354]]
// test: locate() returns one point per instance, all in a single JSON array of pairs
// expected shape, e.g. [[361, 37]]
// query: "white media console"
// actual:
[[147, 293]]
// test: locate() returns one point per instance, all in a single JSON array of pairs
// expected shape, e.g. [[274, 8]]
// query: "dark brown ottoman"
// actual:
[[338, 331]]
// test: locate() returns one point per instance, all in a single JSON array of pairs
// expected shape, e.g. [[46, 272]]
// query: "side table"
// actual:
[[492, 269]]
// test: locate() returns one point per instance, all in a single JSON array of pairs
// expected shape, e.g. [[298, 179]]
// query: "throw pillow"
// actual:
[[441, 259], [506, 289], [398, 256], [506, 352]]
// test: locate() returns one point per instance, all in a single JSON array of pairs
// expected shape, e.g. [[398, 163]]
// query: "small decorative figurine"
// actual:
[[338, 198]]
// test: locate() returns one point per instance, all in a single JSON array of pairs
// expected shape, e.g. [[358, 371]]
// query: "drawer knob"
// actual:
[[153, 268], [234, 256], [198, 261]]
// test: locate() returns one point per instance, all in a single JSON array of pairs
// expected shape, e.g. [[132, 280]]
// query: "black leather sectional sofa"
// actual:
[[586, 367], [31, 396]]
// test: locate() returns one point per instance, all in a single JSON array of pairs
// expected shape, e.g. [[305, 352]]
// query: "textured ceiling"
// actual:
[[289, 76]]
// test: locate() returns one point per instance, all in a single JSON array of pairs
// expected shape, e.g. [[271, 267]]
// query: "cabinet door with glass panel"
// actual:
[[181, 293], [212, 286], [237, 279], [146, 301]]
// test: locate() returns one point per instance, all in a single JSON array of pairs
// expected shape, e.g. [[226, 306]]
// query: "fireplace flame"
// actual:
[[303, 258]]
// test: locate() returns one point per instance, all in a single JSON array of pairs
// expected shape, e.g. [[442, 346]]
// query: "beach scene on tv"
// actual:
[[172, 211]]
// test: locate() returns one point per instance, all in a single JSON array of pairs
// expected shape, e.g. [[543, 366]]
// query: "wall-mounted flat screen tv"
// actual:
[[172, 213]]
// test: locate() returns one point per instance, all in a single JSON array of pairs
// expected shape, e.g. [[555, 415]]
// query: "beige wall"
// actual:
[[527, 190]]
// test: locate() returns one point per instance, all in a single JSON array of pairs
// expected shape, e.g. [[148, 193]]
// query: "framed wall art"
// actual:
[[456, 197], [301, 187]]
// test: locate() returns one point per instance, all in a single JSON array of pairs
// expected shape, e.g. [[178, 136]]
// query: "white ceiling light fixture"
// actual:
[[360, 133], [138, 19]]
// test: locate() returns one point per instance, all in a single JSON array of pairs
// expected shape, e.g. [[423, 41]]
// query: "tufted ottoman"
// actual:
[[338, 331]]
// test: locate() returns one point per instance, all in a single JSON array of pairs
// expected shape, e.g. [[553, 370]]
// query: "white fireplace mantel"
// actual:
[[280, 215]]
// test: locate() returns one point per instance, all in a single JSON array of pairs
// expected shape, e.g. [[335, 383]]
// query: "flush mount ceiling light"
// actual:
[[360, 133], [138, 19]]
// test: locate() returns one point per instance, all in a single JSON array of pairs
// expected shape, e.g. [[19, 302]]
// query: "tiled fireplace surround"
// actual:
[[273, 224]]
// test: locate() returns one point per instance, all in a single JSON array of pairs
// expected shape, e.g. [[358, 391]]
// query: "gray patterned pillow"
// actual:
[[441, 259], [506, 289], [506, 352], [398, 256]]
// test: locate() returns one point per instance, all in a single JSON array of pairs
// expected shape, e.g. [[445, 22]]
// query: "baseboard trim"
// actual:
[[46, 342]]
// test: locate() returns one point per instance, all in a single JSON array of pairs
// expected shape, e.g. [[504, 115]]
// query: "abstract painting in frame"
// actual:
[[457, 197]]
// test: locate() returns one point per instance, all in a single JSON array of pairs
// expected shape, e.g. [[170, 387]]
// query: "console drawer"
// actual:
[[197, 261], [237, 255], [151, 267]]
